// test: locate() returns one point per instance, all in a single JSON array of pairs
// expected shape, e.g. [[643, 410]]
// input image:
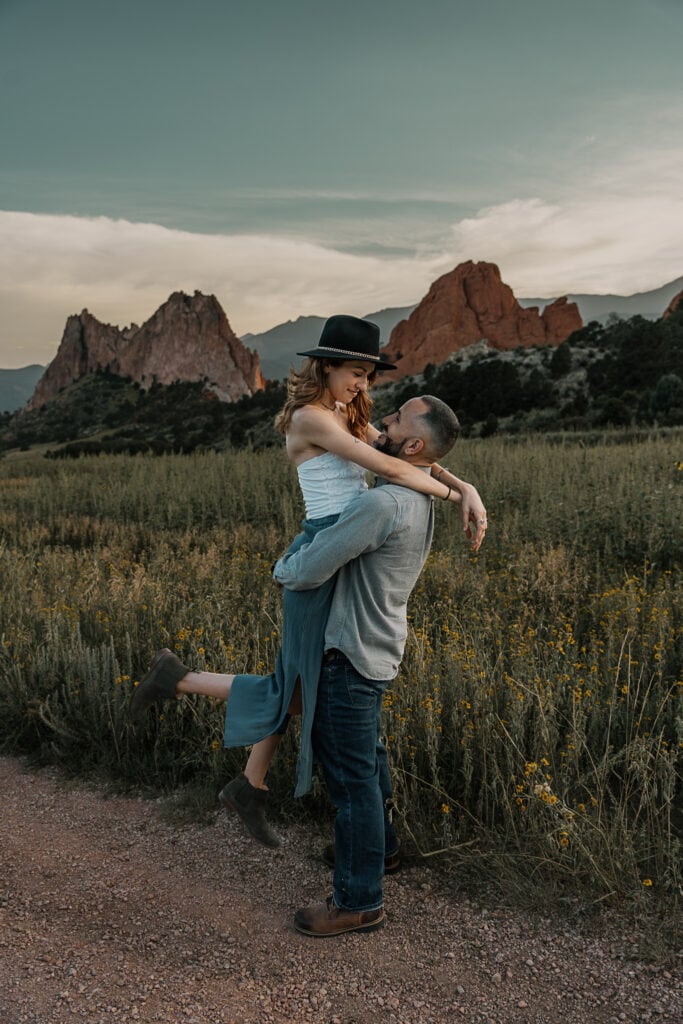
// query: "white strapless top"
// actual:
[[328, 483]]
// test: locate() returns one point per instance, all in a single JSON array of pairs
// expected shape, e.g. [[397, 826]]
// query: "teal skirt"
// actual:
[[257, 706]]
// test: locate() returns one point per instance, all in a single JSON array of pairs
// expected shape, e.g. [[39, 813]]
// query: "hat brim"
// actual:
[[336, 353]]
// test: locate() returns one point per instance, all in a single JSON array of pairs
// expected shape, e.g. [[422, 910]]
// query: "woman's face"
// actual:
[[344, 382]]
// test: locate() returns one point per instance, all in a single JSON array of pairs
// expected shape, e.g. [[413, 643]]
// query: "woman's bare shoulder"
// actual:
[[312, 417], [308, 412], [307, 428]]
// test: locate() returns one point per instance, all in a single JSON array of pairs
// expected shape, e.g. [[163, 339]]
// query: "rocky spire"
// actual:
[[187, 339], [467, 305]]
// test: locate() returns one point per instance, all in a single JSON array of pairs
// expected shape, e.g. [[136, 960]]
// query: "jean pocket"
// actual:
[[363, 693]]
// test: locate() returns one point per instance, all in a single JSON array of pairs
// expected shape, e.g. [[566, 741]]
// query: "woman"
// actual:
[[329, 439]]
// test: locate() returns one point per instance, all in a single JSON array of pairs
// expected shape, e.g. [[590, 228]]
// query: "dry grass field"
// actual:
[[536, 727]]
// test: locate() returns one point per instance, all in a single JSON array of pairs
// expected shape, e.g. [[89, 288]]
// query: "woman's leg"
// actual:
[[259, 759], [208, 684], [263, 752], [167, 678], [247, 794]]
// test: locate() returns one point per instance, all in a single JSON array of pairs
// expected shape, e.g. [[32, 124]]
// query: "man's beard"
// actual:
[[385, 445]]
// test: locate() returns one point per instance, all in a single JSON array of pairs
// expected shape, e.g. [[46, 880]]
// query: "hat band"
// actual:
[[346, 352]]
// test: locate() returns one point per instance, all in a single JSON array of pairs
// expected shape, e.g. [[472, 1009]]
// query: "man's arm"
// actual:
[[363, 526]]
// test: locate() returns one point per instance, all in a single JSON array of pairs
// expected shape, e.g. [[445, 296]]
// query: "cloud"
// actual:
[[621, 238], [617, 245], [608, 213], [122, 271]]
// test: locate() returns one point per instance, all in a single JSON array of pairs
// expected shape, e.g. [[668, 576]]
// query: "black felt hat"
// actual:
[[348, 337]]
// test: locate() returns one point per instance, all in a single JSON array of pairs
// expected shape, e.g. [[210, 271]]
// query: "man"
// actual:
[[377, 550]]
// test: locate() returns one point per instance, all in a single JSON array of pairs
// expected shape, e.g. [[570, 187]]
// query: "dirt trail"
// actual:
[[109, 915]]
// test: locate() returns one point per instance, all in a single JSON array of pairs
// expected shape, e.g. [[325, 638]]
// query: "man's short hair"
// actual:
[[443, 426]]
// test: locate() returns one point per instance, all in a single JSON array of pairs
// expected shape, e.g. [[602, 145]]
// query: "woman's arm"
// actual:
[[318, 429], [472, 510]]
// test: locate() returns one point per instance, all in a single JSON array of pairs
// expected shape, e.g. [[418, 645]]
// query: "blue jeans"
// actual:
[[346, 741]]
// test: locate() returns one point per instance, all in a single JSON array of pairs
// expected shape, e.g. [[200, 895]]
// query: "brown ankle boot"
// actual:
[[250, 804], [164, 673]]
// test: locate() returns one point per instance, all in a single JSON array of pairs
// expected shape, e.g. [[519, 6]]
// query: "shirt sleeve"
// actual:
[[363, 526]]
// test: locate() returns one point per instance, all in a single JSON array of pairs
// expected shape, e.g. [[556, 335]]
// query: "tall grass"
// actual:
[[536, 726]]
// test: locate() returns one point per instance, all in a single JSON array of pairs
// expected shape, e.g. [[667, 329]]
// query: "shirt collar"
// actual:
[[380, 480]]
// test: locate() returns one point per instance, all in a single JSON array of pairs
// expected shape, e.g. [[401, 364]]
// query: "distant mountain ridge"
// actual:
[[17, 386], [278, 346], [650, 305]]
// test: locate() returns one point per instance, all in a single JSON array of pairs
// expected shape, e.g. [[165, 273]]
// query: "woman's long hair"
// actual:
[[307, 385]]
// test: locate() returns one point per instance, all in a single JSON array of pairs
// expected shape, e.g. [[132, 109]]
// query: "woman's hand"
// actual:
[[472, 511], [473, 515]]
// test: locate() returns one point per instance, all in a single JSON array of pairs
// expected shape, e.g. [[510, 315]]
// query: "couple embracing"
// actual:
[[346, 581]]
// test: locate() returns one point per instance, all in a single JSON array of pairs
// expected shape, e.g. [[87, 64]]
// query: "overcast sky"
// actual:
[[301, 157]]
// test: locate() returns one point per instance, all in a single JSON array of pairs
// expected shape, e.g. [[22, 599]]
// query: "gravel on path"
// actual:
[[109, 914]]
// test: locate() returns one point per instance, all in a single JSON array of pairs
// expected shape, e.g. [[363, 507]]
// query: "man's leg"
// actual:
[[392, 857], [345, 742], [391, 844]]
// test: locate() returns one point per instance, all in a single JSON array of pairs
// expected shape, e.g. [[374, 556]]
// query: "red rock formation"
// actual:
[[673, 305], [86, 345], [188, 338], [467, 305]]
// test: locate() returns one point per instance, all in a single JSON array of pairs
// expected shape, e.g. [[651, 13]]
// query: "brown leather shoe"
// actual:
[[392, 861], [163, 675], [326, 919]]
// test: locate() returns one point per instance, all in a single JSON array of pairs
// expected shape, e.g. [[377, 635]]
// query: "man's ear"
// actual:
[[413, 446]]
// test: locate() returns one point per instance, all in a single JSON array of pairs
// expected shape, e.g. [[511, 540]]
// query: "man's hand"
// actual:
[[473, 515]]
